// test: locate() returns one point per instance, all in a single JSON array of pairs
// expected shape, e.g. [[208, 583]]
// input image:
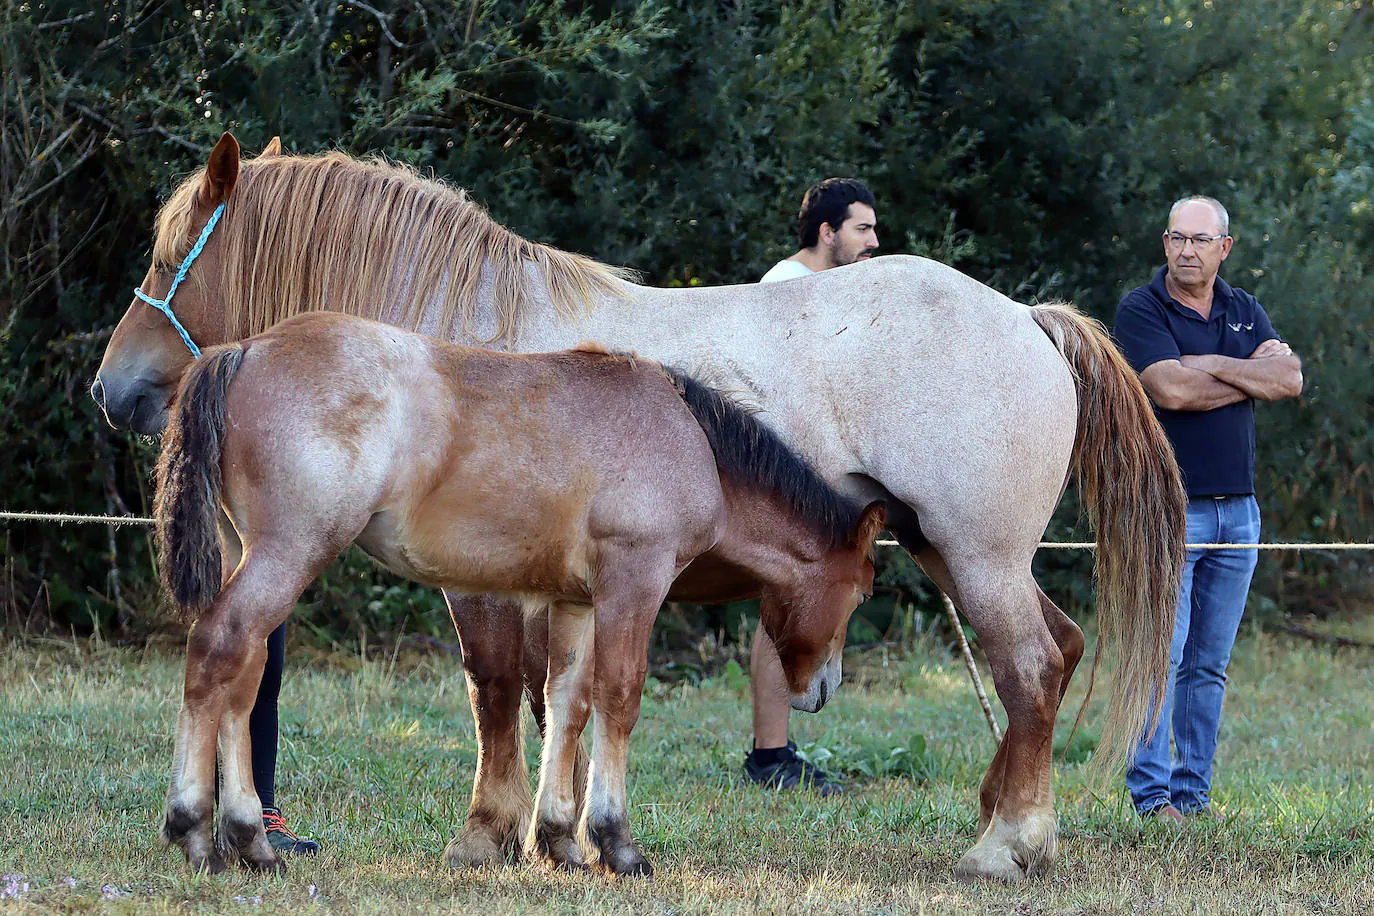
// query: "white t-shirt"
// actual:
[[786, 270]]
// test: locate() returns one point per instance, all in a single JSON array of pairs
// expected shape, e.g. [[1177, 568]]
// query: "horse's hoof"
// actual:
[[473, 850], [982, 864]]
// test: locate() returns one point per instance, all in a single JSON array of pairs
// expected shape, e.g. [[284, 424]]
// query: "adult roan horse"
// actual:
[[579, 481], [898, 378]]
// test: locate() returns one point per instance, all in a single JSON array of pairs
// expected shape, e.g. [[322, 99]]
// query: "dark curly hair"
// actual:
[[828, 202]]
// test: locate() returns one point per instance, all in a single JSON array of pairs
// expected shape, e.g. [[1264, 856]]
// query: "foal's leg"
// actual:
[[567, 694], [490, 632], [224, 662], [1028, 668], [536, 666], [625, 613]]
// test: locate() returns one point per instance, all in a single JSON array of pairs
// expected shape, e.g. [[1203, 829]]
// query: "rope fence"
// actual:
[[63, 518]]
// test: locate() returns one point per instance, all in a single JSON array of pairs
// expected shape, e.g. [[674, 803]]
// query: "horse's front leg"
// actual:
[[490, 630], [567, 693]]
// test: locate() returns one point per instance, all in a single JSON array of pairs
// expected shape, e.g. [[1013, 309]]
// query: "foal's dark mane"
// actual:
[[750, 453]]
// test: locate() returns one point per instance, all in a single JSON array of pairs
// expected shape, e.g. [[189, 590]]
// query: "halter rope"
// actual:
[[164, 305]]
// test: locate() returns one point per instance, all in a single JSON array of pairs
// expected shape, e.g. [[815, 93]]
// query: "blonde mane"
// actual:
[[302, 233]]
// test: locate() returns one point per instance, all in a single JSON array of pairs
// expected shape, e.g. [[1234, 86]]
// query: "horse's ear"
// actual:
[[221, 172], [871, 523], [272, 150]]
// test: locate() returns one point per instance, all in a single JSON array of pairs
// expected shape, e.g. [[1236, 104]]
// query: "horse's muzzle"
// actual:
[[137, 405]]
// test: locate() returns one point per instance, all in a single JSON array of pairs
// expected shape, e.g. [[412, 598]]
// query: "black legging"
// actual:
[[262, 723]]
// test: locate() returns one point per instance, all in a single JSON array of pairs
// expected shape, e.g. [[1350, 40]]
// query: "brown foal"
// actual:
[[808, 577], [801, 575], [579, 481]]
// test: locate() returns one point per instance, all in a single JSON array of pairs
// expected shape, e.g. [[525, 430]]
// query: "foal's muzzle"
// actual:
[[823, 685]]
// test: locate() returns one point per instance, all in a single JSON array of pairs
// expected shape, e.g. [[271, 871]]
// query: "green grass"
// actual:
[[377, 762]]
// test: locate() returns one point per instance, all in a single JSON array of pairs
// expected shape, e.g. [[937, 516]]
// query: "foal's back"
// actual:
[[474, 470]]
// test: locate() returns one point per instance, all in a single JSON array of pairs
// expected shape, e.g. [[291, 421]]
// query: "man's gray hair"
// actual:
[[1211, 202]]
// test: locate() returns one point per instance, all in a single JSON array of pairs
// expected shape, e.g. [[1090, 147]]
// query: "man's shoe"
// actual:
[[280, 837], [786, 770]]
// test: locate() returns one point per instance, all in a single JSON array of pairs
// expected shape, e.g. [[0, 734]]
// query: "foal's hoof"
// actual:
[[473, 850], [212, 864], [561, 852], [273, 864], [626, 862], [247, 841]]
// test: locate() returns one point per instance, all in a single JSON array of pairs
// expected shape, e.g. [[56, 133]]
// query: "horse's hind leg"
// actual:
[[567, 694], [934, 566], [224, 661], [1028, 668], [491, 633], [1067, 636]]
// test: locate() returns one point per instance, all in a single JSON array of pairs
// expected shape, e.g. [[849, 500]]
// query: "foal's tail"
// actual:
[[188, 483], [1131, 486]]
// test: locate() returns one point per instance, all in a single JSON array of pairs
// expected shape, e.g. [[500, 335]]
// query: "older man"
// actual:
[[1205, 352]]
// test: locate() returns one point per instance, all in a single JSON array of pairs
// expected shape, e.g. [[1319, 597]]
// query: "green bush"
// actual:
[[1035, 145]]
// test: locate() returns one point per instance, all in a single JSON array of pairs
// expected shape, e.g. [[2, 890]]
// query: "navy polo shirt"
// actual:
[[1215, 448]]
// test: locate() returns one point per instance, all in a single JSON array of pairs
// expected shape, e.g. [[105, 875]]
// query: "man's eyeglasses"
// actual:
[[1200, 242]]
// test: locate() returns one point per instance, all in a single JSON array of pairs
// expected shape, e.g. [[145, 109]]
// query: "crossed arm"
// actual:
[[1271, 373]]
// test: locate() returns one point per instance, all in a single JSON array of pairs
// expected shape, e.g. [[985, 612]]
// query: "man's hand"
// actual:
[[1271, 347]]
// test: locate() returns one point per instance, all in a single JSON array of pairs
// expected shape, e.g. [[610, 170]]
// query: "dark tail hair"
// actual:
[[752, 454], [1133, 491], [188, 483]]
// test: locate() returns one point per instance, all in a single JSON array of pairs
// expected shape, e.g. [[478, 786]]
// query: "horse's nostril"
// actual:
[[98, 393], [825, 692]]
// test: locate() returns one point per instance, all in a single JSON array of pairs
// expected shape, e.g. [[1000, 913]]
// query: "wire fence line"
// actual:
[[63, 518]]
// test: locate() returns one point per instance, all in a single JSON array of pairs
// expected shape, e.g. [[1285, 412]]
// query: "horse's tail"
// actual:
[[754, 455], [1131, 486], [188, 483]]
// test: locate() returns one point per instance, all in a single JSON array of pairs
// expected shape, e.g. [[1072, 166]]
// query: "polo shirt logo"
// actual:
[[1241, 327]]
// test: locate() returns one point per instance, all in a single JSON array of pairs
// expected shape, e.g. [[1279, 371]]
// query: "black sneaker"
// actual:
[[788, 771], [280, 837]]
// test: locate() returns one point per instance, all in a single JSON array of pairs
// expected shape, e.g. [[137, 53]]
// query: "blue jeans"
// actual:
[[1215, 585]]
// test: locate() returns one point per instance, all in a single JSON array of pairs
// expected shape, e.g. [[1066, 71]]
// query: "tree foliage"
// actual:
[[1035, 145]]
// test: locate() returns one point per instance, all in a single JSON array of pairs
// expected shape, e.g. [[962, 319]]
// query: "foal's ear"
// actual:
[[221, 172], [871, 522], [272, 150]]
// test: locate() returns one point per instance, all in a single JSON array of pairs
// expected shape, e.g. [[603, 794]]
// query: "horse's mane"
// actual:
[[356, 236], [752, 454]]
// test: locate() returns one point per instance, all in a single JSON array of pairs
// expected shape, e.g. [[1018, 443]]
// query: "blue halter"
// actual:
[[164, 305]]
